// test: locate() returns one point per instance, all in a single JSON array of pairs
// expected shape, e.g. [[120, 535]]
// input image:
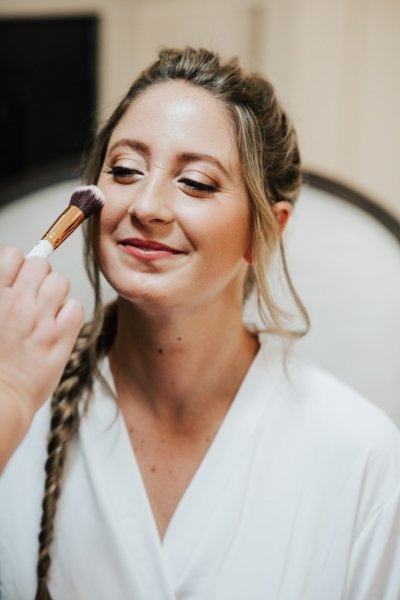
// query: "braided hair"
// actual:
[[77, 378]]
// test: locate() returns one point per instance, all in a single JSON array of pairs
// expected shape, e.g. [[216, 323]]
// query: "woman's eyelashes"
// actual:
[[128, 174], [198, 186], [123, 174]]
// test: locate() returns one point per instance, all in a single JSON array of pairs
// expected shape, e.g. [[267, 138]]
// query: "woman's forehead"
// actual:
[[183, 115]]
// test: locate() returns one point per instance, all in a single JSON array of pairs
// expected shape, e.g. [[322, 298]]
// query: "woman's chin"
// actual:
[[150, 298]]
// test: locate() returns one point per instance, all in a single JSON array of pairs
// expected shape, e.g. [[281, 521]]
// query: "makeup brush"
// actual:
[[85, 200]]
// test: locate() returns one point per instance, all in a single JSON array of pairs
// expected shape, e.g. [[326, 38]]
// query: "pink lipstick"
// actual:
[[147, 250]]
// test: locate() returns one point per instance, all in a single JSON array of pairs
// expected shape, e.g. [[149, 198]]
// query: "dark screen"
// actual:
[[48, 72]]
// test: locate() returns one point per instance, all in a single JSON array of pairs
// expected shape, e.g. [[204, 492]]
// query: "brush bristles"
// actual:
[[88, 198]]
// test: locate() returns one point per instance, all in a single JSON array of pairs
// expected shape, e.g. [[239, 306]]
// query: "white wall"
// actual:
[[334, 64]]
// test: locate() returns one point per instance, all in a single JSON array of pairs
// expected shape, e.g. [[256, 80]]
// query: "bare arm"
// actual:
[[37, 332]]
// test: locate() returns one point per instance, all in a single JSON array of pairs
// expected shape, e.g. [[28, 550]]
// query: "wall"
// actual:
[[334, 64]]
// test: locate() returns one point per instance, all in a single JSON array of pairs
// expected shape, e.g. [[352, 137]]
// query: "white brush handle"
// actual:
[[43, 249]]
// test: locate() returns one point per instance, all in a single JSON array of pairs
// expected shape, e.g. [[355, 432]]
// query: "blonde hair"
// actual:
[[270, 161]]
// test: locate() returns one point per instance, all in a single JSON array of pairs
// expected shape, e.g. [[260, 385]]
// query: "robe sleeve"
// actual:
[[374, 565]]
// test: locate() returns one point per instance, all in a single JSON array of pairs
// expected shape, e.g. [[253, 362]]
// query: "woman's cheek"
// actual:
[[226, 230], [111, 215]]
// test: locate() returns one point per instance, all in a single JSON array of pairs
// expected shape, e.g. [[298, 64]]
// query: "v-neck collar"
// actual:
[[121, 497], [183, 542], [163, 566]]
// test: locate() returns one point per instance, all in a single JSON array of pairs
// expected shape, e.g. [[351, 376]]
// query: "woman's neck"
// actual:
[[178, 366]]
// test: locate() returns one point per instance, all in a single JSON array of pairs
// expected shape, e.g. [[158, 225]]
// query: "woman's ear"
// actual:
[[248, 255], [282, 211]]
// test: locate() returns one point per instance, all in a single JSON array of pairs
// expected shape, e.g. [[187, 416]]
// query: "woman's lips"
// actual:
[[147, 250]]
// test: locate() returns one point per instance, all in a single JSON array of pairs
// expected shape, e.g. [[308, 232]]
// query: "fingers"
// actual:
[[69, 315], [31, 276], [70, 319], [52, 293], [33, 280], [11, 261], [38, 327]]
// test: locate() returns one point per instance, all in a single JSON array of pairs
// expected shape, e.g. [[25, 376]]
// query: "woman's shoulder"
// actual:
[[329, 407], [333, 436]]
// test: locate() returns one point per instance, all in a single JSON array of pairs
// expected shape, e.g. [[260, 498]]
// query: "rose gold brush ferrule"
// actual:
[[66, 224]]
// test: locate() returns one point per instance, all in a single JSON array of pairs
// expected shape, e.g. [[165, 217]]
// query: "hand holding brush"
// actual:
[[39, 325]]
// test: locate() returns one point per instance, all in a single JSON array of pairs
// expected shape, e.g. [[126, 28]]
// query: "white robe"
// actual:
[[298, 498]]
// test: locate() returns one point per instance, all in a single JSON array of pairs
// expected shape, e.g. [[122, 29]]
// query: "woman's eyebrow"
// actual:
[[141, 147], [185, 157], [195, 156]]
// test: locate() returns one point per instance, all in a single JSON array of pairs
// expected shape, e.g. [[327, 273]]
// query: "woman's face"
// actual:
[[175, 228]]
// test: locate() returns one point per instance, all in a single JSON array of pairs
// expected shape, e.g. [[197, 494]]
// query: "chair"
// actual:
[[343, 253]]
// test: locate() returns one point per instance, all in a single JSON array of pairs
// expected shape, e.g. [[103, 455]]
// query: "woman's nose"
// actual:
[[151, 202]]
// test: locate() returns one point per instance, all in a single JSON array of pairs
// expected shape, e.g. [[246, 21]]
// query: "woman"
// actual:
[[187, 458]]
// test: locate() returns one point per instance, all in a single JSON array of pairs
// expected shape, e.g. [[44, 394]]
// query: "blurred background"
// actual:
[[335, 65]]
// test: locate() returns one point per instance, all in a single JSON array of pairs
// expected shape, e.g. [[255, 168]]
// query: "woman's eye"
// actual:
[[198, 186], [121, 173]]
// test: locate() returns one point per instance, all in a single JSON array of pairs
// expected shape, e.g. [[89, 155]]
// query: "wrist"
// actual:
[[15, 420], [19, 409]]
